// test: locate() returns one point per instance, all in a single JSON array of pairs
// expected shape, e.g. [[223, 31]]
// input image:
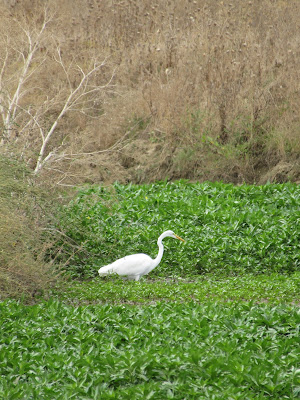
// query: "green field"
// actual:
[[161, 350], [228, 229], [219, 318]]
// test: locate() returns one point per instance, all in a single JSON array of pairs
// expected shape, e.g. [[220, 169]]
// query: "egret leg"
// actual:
[[132, 277]]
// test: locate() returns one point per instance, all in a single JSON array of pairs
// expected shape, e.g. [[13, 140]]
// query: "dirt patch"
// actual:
[[281, 173]]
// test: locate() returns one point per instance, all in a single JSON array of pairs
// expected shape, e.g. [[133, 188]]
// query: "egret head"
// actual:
[[170, 234]]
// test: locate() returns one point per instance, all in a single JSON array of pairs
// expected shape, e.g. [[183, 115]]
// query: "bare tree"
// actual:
[[35, 109], [17, 68], [79, 97]]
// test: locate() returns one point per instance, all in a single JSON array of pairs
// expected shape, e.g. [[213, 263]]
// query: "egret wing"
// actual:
[[135, 264]]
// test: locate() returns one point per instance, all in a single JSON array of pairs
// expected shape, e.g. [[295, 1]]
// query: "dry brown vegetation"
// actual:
[[178, 89], [23, 244]]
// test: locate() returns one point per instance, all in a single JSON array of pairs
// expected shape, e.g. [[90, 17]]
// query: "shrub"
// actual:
[[23, 270]]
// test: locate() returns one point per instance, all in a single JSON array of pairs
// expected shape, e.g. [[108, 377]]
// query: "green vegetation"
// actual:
[[228, 229], [218, 319], [160, 351], [274, 289]]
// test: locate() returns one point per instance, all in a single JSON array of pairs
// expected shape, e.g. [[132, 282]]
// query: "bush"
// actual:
[[23, 270]]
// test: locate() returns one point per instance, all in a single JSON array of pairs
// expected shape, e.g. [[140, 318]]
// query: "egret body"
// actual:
[[137, 265]]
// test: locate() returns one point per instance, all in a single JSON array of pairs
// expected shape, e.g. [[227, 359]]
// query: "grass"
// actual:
[[236, 117]]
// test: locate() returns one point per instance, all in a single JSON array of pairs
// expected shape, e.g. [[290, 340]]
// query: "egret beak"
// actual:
[[178, 237]]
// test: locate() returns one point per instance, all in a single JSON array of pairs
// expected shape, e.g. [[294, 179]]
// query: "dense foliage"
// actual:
[[161, 351], [228, 229]]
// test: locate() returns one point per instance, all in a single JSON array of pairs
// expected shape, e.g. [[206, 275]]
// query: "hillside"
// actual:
[[101, 90]]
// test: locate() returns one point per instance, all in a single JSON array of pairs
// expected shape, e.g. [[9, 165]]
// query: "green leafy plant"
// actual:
[[270, 289], [159, 351], [228, 229]]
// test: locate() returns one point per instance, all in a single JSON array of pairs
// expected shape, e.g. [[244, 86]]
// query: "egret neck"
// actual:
[[158, 258]]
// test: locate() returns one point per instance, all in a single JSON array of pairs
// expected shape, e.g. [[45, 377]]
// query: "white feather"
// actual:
[[136, 265]]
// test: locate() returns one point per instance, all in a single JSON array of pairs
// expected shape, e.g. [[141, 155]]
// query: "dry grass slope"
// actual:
[[196, 89]]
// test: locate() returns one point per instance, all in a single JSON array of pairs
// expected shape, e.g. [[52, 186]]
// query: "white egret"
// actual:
[[137, 265]]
